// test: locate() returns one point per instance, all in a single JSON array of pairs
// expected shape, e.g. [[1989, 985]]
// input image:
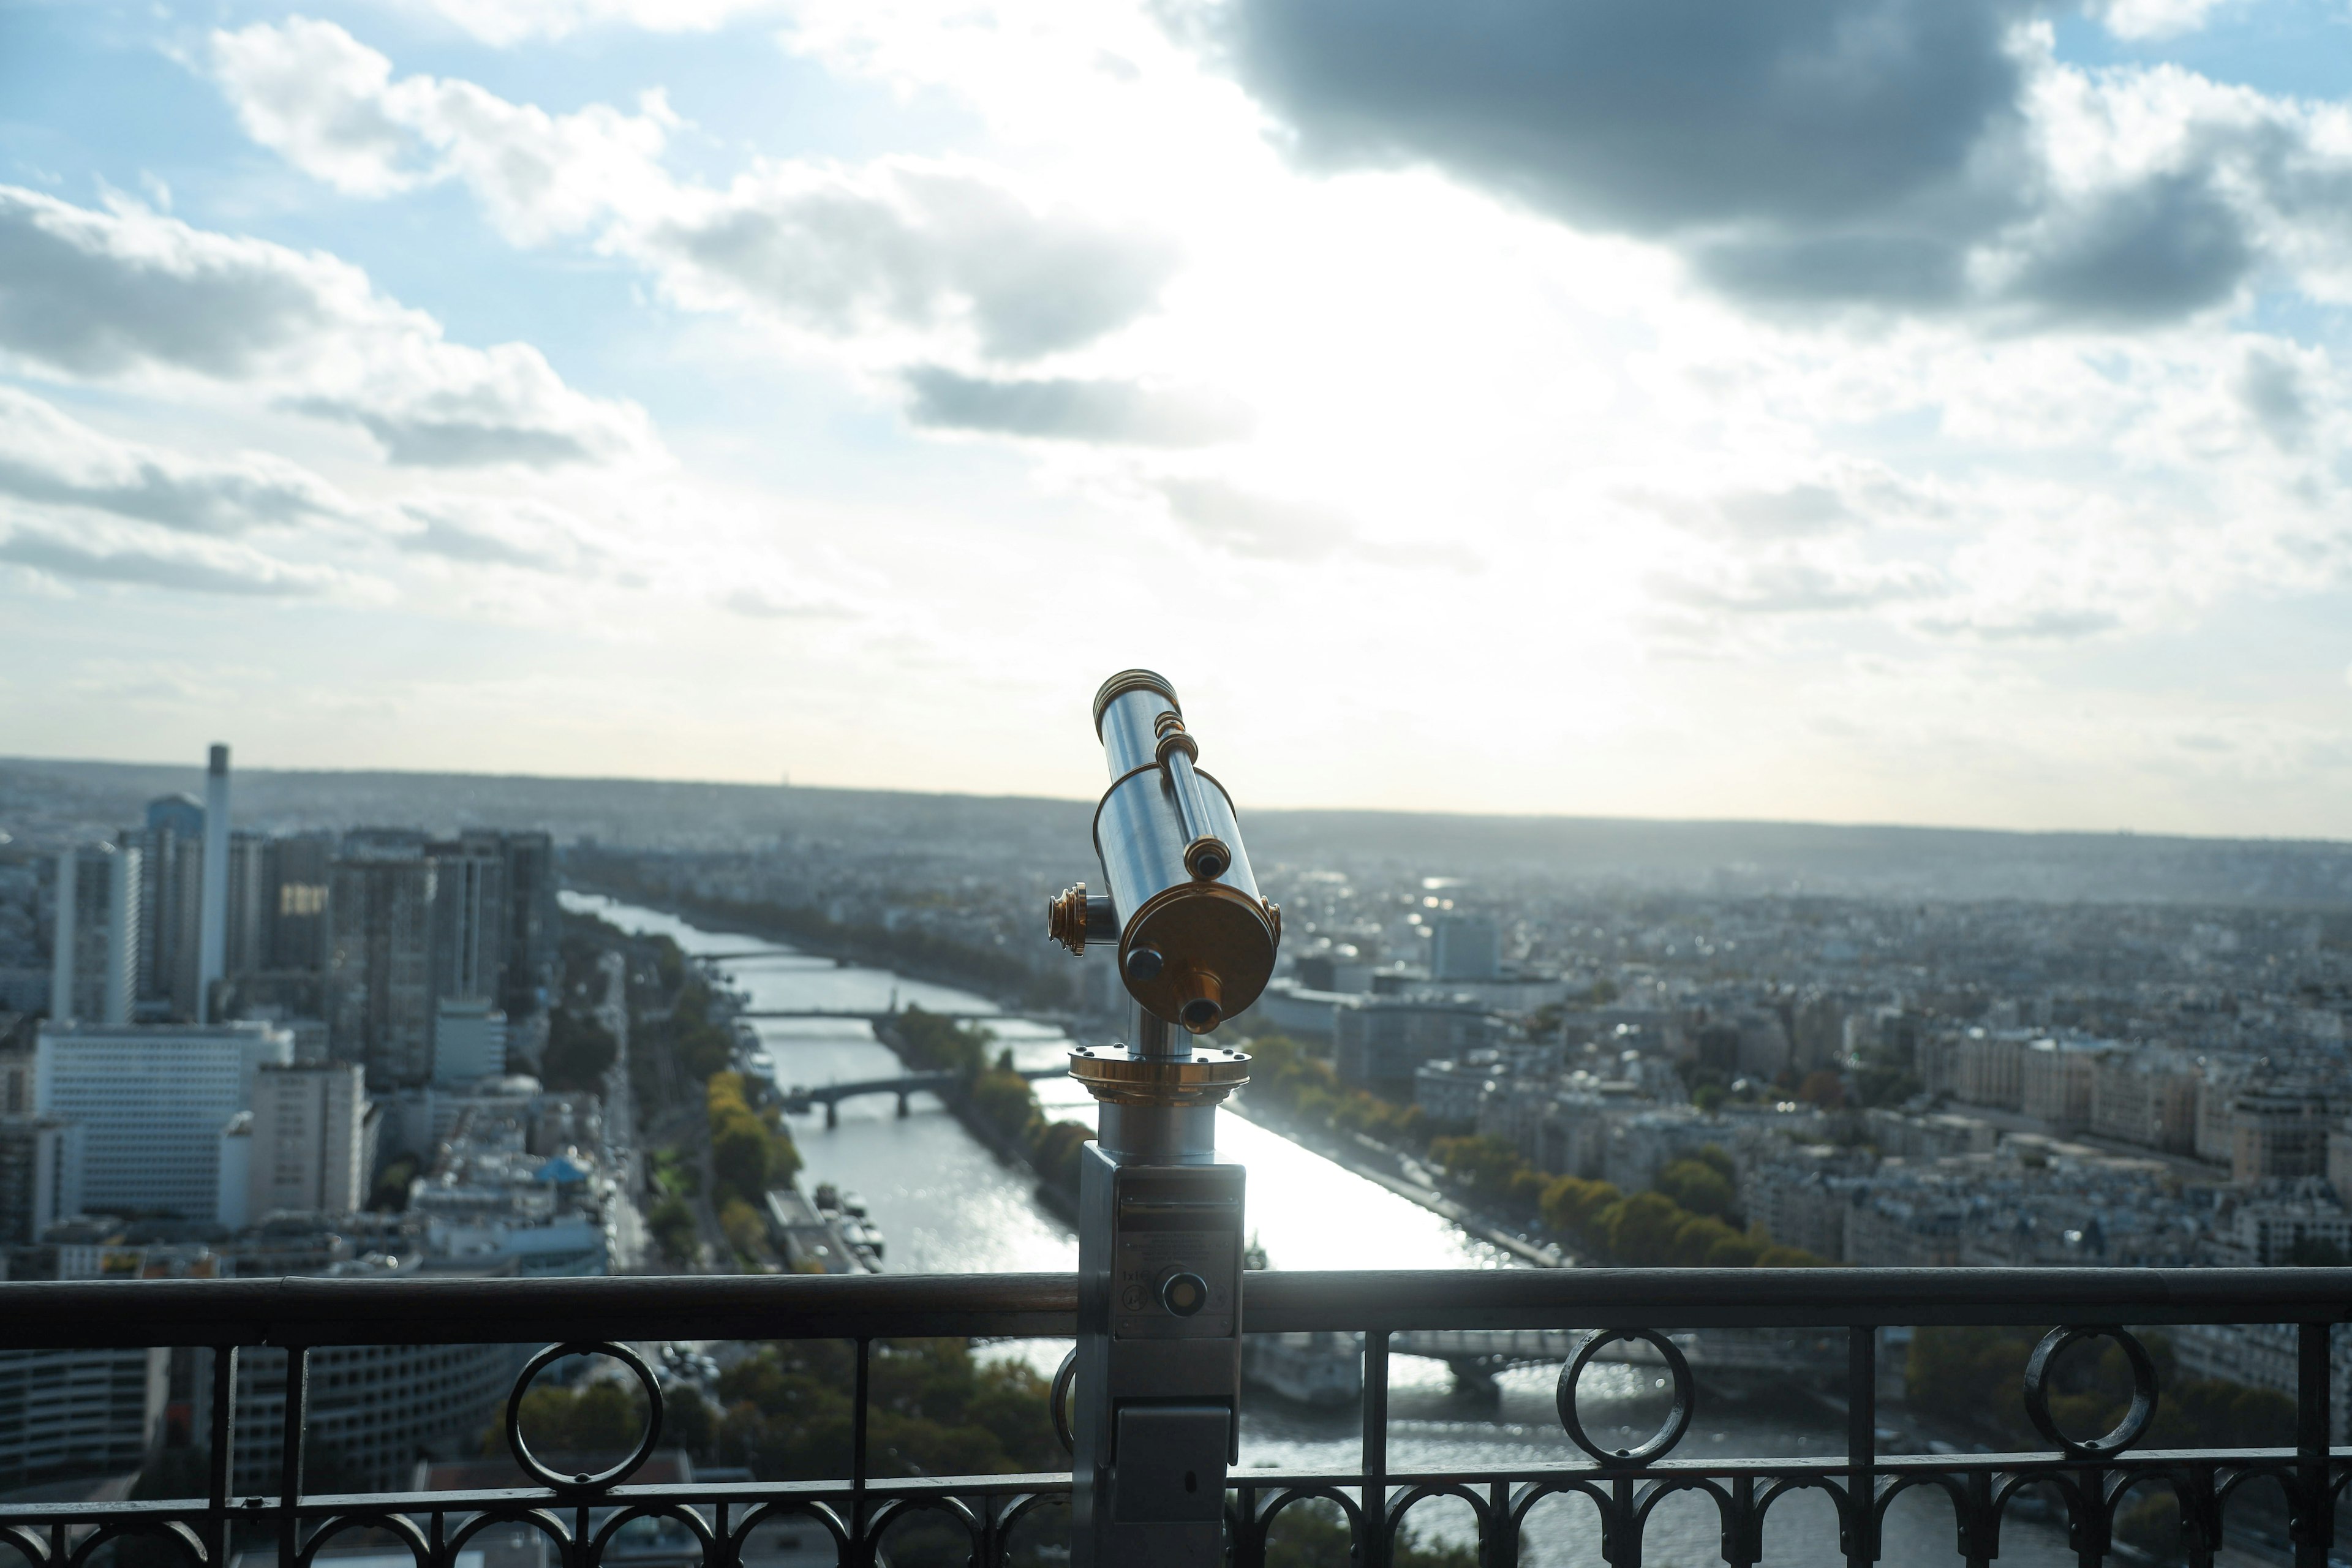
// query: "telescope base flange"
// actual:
[[1121, 1076]]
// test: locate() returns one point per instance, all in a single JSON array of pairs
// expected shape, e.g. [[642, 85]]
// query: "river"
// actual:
[[947, 1205]]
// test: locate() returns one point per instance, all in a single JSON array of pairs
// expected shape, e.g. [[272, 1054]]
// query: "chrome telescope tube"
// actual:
[[1156, 1373], [1196, 940]]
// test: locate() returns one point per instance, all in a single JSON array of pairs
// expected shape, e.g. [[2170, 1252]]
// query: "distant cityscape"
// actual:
[[241, 1035]]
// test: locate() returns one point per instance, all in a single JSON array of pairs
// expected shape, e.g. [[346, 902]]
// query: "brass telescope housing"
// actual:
[[1196, 940]]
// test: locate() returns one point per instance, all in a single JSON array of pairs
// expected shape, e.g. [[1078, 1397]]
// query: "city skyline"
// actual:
[[752, 389]]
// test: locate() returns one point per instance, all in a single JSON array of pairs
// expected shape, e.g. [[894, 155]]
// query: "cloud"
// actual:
[[1250, 524], [2139, 19], [1651, 115], [328, 103], [2272, 386], [505, 22], [1103, 411], [1912, 155], [483, 531], [901, 245], [2028, 624], [147, 559], [51, 460], [771, 603], [1790, 584], [1274, 527], [126, 294], [911, 245], [2148, 252]]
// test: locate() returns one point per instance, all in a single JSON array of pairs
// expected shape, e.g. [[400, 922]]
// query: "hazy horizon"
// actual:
[[195, 771]]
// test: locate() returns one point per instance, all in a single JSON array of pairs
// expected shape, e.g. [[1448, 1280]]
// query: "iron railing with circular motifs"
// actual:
[[1651, 1315]]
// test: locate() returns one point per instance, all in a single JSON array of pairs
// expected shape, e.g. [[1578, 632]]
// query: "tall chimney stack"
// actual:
[[212, 939]]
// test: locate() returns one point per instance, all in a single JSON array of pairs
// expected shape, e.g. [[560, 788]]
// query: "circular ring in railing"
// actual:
[[1057, 1400], [1677, 1421], [548, 1357], [2127, 1431]]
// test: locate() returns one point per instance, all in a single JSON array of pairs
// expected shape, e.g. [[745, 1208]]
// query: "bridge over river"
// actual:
[[1741, 1357], [802, 1097]]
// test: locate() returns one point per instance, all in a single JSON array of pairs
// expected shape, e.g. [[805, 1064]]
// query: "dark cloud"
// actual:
[[920, 248], [1801, 153], [2151, 251], [72, 295], [239, 572], [1654, 115], [1121, 412]]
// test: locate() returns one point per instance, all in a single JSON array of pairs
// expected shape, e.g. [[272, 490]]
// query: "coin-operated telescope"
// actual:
[[1158, 1364]]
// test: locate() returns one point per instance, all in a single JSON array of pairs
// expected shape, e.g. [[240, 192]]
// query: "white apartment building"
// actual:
[[308, 1148], [151, 1102]]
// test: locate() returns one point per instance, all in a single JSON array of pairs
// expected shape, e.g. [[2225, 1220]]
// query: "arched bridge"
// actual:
[[1479, 1353], [802, 1097], [810, 960], [1058, 1020]]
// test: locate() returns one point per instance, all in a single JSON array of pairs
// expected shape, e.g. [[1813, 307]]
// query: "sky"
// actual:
[[1922, 411]]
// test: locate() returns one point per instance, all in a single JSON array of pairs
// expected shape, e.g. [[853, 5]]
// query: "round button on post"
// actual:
[[1183, 1294]]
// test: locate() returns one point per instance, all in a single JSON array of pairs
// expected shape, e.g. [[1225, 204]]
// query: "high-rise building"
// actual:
[[294, 882], [380, 992], [171, 853], [212, 932], [15, 1082], [471, 930], [1465, 947], [40, 1175], [245, 948], [309, 1140], [94, 940], [469, 1041], [533, 918], [151, 1102]]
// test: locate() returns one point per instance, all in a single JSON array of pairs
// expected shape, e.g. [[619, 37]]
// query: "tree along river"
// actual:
[[946, 1205]]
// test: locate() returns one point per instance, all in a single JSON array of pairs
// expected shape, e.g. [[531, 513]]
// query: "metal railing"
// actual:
[[581, 1513]]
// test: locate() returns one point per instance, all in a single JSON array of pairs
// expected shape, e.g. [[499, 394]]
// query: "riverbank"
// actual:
[[1360, 1163], [933, 960]]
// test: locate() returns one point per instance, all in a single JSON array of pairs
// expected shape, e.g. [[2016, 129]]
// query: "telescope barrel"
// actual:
[[1196, 940]]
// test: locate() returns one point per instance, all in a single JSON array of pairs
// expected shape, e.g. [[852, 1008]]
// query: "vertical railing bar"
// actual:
[[2311, 1423], [1501, 1547], [290, 1457], [1375, 1448], [859, 1556], [220, 1465], [1862, 1442]]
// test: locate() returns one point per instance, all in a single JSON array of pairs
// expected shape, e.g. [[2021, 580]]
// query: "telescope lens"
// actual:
[[1211, 867], [1201, 1015]]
